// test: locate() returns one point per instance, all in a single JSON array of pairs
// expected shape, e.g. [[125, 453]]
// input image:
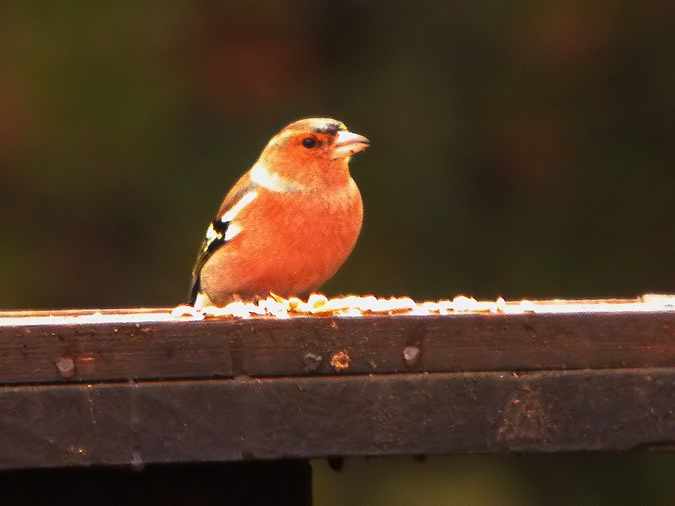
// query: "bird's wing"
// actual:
[[214, 239], [216, 233]]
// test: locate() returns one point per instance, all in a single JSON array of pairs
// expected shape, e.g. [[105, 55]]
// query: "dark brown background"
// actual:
[[518, 150]]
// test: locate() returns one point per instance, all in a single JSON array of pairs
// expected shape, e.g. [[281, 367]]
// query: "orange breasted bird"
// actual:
[[289, 223]]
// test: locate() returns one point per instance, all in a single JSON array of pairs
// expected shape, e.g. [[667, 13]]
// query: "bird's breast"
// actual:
[[320, 232], [288, 244]]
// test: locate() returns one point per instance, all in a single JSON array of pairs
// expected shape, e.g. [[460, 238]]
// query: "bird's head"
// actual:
[[312, 151]]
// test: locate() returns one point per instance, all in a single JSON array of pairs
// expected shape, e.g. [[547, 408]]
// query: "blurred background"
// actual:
[[521, 149]]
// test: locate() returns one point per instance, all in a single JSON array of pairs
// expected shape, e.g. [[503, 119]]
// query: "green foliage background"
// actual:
[[519, 149]]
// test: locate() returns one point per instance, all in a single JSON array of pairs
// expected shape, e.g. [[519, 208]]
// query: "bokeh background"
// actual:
[[522, 149]]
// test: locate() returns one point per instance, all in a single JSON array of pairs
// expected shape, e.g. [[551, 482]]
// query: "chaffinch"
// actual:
[[289, 223]]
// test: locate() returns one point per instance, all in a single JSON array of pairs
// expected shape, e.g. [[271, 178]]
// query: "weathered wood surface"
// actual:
[[161, 349], [412, 414], [136, 387]]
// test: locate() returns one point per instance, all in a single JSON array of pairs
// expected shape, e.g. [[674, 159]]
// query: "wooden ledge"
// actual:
[[120, 345], [402, 414], [128, 387]]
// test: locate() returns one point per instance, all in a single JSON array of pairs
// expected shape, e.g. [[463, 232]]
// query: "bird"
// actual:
[[289, 222]]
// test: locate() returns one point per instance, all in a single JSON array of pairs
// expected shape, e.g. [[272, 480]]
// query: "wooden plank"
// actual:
[[99, 352], [410, 414], [141, 346]]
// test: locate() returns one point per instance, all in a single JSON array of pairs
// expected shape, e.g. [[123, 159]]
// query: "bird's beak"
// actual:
[[348, 144]]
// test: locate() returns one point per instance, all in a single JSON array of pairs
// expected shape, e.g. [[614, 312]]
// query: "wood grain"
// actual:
[[147, 350], [136, 387], [410, 414]]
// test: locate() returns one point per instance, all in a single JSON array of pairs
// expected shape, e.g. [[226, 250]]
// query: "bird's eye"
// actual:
[[309, 142]]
